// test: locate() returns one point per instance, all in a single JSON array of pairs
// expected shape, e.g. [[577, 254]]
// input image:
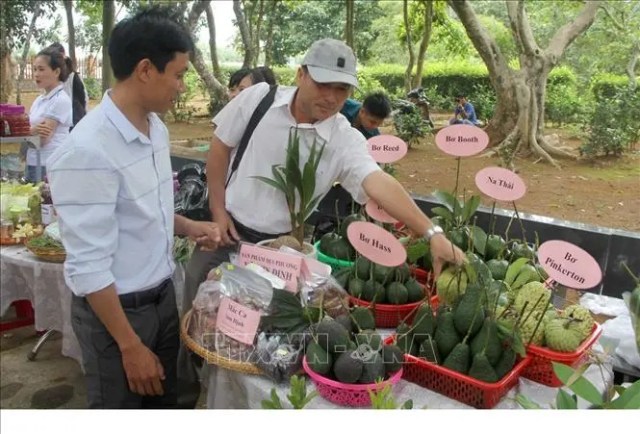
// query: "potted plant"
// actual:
[[298, 185]]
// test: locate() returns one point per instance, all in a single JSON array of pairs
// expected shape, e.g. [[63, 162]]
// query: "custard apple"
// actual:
[[451, 284], [582, 319], [530, 294], [563, 335], [527, 327]]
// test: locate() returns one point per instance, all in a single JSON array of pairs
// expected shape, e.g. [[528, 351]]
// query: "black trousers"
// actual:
[[154, 317]]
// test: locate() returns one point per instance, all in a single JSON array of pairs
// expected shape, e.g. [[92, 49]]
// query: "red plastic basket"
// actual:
[[390, 315], [540, 369], [455, 385], [347, 395]]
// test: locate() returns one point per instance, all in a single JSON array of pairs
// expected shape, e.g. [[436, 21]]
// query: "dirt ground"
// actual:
[[604, 193]]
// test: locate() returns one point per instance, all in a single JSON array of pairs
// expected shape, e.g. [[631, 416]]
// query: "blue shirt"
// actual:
[[112, 188], [350, 110], [470, 112]]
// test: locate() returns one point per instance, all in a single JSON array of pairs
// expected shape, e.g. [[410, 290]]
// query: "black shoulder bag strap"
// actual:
[[257, 115]]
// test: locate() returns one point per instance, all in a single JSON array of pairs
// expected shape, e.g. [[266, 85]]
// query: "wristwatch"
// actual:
[[433, 230]]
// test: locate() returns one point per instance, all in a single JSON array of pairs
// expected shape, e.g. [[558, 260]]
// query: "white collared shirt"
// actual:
[[112, 188], [55, 105], [260, 206]]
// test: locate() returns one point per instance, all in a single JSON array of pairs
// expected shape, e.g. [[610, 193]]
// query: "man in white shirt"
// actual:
[[113, 191], [249, 209]]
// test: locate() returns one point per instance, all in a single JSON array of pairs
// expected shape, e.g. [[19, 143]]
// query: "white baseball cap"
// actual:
[[331, 61]]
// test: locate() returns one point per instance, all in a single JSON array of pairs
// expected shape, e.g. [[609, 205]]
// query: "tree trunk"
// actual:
[[268, 46], [424, 44], [213, 50], [217, 92], [244, 34], [108, 19], [68, 6], [518, 123], [6, 71], [631, 66], [25, 51], [349, 24], [407, 25], [257, 34]]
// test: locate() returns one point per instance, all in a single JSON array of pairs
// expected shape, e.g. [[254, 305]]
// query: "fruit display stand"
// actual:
[[228, 389]]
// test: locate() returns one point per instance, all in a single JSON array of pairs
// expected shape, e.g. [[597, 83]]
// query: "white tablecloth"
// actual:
[[232, 390], [24, 276]]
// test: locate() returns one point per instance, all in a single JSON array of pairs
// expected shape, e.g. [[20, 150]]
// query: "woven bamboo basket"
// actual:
[[211, 357], [48, 254]]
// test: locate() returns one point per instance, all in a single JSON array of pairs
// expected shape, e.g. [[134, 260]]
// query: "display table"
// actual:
[[25, 277], [233, 390]]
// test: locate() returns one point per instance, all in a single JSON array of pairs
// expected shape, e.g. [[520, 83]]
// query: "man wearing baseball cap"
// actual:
[[246, 208]]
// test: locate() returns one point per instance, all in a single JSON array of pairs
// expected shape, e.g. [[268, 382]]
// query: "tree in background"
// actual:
[[624, 20], [349, 24], [108, 22], [15, 22], [518, 122]]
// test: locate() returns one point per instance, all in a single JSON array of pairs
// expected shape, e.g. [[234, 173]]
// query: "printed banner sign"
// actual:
[[283, 265]]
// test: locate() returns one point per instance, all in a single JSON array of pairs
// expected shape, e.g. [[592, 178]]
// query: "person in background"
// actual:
[[465, 112], [112, 188], [50, 114], [74, 87], [245, 77], [369, 115], [267, 73]]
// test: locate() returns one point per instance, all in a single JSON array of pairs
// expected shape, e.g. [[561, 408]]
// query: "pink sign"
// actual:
[[462, 140], [283, 265], [500, 184], [569, 265], [237, 321], [386, 148], [376, 244], [378, 213]]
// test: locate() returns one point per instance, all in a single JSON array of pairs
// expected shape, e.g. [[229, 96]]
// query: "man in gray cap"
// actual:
[[248, 209]]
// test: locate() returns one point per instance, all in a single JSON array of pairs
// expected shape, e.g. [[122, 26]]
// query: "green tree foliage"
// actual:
[[301, 22]]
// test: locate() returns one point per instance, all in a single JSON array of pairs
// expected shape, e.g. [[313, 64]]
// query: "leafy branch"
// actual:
[[297, 396], [298, 186]]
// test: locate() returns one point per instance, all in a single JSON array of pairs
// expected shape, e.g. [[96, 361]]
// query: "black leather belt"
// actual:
[[133, 300], [251, 235]]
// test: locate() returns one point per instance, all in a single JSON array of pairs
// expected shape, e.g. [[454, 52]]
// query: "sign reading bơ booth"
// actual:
[[569, 265], [462, 140], [378, 213], [237, 321], [283, 265], [376, 244], [500, 184], [386, 148]]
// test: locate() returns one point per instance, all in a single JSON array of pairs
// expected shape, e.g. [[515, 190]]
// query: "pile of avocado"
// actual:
[[384, 285], [336, 244], [349, 350], [465, 337]]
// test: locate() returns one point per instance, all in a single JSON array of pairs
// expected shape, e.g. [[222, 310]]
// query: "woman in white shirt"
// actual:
[[50, 114]]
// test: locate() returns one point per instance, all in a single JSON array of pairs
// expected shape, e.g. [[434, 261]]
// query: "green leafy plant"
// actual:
[[297, 185], [619, 398], [384, 400], [297, 396], [182, 249], [410, 127], [455, 218]]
